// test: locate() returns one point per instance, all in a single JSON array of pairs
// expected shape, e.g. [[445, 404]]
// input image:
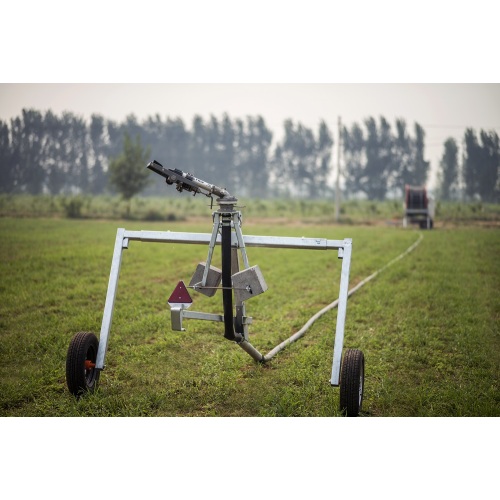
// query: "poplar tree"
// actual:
[[489, 167], [448, 173], [6, 177], [128, 173]]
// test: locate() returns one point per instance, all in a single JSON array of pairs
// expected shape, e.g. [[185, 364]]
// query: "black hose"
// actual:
[[227, 292]]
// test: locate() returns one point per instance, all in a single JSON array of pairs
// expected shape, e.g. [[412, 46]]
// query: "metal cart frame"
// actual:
[[238, 242]]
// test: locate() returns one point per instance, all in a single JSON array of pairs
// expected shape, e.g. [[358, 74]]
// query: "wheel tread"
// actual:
[[75, 367], [351, 371]]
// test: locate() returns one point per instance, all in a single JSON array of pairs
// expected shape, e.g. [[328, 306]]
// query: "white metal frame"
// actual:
[[238, 242]]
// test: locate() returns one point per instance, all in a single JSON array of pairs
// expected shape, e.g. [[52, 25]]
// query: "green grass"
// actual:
[[428, 325], [173, 207]]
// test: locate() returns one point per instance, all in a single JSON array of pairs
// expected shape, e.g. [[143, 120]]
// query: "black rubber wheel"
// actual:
[[81, 374], [352, 381]]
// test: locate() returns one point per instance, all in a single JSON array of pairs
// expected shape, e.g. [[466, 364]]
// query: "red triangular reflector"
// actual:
[[180, 295]]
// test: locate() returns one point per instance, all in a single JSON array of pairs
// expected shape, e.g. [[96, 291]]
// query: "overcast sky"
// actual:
[[452, 105], [443, 110]]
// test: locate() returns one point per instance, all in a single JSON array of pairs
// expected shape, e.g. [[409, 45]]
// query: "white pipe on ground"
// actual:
[[259, 357]]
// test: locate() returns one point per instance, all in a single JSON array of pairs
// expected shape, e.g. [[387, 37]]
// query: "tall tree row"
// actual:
[[47, 153], [481, 165], [44, 153], [301, 161], [477, 177], [379, 161]]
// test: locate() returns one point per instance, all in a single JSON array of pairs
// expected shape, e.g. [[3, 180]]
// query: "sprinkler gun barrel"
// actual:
[[186, 181]]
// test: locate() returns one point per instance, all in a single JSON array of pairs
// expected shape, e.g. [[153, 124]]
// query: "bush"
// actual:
[[73, 208], [153, 215]]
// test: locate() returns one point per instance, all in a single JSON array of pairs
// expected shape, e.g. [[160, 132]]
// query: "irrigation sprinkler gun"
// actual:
[[86, 354]]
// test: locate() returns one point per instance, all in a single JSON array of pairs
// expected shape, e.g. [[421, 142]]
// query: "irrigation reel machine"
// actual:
[[86, 354]]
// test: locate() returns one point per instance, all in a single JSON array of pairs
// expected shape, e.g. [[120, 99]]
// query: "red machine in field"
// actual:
[[419, 208]]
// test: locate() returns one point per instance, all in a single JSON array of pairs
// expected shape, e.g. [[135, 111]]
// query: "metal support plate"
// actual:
[[214, 277]]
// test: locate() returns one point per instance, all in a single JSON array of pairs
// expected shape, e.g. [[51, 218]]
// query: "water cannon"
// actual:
[[187, 182]]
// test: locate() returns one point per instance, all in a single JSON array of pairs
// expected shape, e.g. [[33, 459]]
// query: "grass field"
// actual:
[[175, 208], [428, 326]]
